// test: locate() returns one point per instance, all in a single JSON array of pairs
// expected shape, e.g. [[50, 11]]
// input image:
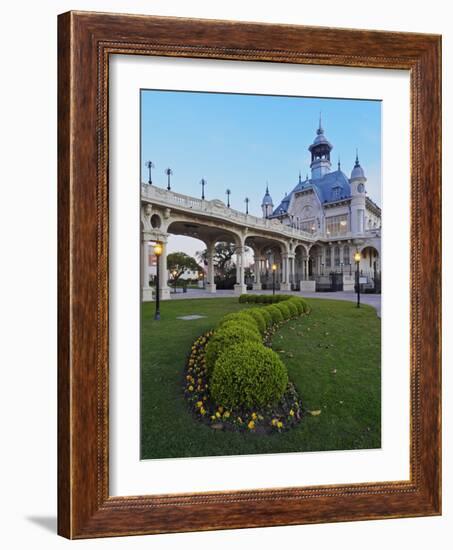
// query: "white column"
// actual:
[[163, 278], [306, 285], [285, 282], [292, 270], [147, 291], [210, 285], [257, 268], [240, 287]]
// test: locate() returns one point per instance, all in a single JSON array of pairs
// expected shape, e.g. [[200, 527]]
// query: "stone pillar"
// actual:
[[240, 287], [285, 283], [257, 266], [147, 291], [292, 269], [164, 290], [210, 284]]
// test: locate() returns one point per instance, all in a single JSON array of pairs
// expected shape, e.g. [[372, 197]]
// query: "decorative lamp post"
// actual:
[[322, 269], [168, 172], [158, 253], [274, 269], [203, 182], [149, 165], [247, 200], [174, 273], [357, 261], [228, 193]]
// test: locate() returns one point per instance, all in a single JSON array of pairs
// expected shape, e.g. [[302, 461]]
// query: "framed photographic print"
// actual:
[[249, 275]]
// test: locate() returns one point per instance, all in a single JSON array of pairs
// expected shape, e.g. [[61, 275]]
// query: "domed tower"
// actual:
[[358, 197], [267, 205], [320, 154]]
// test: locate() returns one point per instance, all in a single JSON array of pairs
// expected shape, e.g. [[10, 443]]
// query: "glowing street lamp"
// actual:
[[158, 252], [274, 269], [357, 257], [174, 273]]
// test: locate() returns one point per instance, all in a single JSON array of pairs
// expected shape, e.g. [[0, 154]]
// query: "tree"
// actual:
[[223, 254], [180, 262]]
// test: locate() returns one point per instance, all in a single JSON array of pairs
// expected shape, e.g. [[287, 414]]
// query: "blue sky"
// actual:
[[240, 142]]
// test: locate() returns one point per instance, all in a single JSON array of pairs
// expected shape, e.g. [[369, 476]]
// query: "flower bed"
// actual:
[[233, 379]]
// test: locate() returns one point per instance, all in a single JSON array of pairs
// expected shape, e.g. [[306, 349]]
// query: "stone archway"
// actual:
[[210, 235]]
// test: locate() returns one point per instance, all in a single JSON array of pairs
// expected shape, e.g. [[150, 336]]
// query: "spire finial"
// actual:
[[339, 163], [267, 188], [300, 177], [320, 130], [357, 163]]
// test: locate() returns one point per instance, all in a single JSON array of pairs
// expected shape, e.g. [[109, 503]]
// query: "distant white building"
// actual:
[[336, 209]]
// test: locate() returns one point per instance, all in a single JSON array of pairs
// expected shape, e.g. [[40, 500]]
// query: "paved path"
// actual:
[[373, 300]]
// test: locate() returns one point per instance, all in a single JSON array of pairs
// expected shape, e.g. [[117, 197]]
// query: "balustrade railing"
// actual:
[[216, 207]]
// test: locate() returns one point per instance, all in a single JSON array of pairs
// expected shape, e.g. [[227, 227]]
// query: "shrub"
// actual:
[[292, 308], [239, 315], [267, 316], [259, 318], [284, 309], [248, 375], [223, 338], [276, 314], [244, 323], [243, 298], [305, 305], [299, 305]]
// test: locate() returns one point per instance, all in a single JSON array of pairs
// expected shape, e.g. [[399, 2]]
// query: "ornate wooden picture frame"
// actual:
[[85, 507]]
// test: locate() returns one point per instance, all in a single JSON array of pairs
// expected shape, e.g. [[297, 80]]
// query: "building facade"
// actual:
[[310, 238], [338, 212]]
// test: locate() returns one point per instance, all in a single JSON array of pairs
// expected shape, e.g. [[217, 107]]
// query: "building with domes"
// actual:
[[338, 212]]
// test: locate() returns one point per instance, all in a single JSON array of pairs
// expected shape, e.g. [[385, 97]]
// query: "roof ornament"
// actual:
[[339, 163], [300, 177], [320, 129], [357, 163]]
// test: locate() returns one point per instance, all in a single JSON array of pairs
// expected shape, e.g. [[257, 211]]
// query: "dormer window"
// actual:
[[336, 193]]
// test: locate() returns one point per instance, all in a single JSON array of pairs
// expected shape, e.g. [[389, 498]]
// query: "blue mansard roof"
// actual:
[[331, 187]]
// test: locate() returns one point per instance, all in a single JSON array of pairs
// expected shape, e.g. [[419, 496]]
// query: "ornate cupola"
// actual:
[[267, 205], [320, 154]]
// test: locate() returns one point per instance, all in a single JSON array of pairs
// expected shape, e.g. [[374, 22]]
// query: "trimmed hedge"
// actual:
[[283, 307], [242, 371], [243, 317], [276, 314], [263, 298], [245, 323], [248, 375], [224, 337], [259, 318], [267, 317], [292, 308], [299, 305]]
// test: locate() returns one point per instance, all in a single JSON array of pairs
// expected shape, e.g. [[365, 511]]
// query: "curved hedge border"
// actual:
[[227, 346]]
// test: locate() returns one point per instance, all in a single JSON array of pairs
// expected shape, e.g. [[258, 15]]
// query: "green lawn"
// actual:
[[332, 355]]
